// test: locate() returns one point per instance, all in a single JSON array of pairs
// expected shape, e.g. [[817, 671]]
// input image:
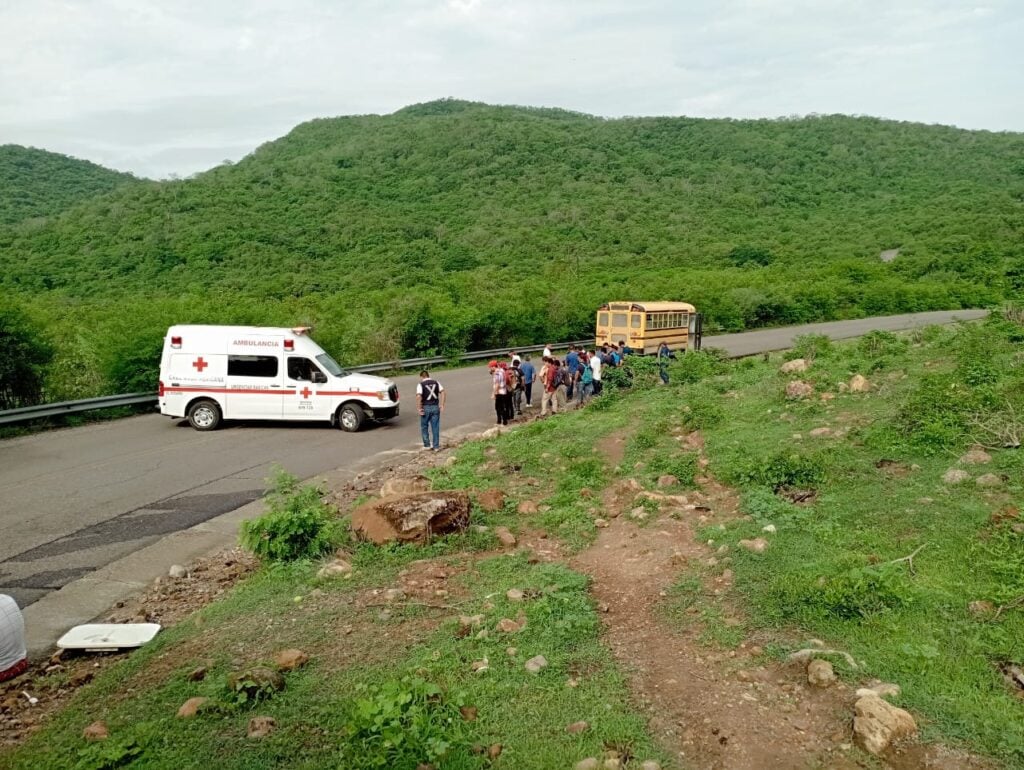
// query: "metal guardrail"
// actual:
[[27, 413]]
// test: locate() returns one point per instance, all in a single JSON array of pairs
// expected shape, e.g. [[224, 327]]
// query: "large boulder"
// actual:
[[796, 366], [412, 517], [876, 723], [859, 384]]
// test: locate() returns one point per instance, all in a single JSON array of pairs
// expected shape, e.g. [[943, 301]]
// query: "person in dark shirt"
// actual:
[[572, 363], [528, 376], [430, 397]]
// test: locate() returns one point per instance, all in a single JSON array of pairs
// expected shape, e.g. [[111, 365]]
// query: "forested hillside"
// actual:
[[452, 225], [36, 183]]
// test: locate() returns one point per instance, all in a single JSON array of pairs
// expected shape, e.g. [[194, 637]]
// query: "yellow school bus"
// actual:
[[645, 325]]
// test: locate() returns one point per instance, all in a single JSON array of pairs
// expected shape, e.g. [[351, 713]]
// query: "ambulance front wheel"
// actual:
[[351, 417], [204, 415]]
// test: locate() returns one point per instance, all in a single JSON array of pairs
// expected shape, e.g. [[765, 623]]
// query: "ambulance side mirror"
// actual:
[[319, 378]]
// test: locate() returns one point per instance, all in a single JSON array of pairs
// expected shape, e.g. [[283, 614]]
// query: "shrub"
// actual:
[[863, 591], [882, 343], [937, 413], [297, 524], [783, 470], [23, 359], [402, 723], [681, 465], [636, 373], [696, 366], [702, 410], [745, 255], [809, 346]]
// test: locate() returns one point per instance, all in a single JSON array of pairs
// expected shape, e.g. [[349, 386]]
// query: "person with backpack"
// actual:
[[596, 364], [515, 384], [572, 363], [528, 376], [584, 382], [550, 378], [564, 382], [430, 397]]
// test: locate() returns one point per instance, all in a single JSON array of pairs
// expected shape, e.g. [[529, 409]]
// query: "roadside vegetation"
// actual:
[[888, 515], [369, 229]]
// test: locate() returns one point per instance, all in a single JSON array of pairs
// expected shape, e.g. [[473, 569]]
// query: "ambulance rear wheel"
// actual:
[[204, 415], [351, 417]]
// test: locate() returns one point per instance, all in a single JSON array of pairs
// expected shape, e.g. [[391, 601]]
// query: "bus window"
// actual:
[[634, 320], [618, 319], [602, 319]]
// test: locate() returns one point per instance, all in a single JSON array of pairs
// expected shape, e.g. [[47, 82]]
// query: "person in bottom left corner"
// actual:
[[13, 657], [430, 397]]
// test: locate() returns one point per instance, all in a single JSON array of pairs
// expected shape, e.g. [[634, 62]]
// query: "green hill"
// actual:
[[453, 225], [36, 183]]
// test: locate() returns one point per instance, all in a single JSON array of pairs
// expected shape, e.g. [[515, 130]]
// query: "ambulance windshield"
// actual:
[[330, 365]]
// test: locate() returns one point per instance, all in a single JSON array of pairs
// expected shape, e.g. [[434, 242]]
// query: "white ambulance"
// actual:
[[214, 373]]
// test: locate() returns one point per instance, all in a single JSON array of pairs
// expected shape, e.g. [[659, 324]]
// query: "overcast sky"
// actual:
[[174, 87]]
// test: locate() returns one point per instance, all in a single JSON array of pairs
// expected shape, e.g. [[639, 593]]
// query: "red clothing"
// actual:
[[16, 670]]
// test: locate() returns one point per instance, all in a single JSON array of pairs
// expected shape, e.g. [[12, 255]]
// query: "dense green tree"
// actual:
[[24, 355], [450, 225]]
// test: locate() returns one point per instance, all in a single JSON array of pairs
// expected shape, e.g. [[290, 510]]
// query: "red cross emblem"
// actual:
[[200, 364], [306, 392]]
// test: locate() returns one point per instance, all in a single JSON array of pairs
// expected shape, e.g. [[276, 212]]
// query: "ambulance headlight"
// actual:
[[382, 395]]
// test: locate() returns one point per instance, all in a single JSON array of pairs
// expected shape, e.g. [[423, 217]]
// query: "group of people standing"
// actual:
[[559, 381]]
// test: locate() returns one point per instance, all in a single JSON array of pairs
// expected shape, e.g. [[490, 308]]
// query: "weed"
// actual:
[[783, 470], [696, 366], [809, 347], [401, 723], [112, 753], [297, 525]]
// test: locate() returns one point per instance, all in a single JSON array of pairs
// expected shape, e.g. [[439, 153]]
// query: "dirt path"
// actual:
[[715, 709]]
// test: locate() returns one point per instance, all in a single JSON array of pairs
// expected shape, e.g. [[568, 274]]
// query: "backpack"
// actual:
[[514, 378], [564, 377]]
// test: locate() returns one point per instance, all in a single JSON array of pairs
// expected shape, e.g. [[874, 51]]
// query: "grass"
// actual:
[[832, 571]]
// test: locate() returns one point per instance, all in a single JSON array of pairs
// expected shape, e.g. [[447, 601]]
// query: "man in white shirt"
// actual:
[[547, 350], [13, 658], [595, 367]]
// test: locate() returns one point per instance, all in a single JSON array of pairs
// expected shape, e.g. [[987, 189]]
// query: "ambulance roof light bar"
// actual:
[[300, 330]]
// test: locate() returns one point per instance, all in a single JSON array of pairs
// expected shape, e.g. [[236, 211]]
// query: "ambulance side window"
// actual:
[[252, 366], [301, 369]]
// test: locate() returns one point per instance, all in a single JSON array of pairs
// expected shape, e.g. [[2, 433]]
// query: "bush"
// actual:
[[863, 591], [681, 465], [809, 346], [696, 366], [702, 410], [783, 470], [402, 723], [881, 343], [23, 359], [297, 524], [937, 413]]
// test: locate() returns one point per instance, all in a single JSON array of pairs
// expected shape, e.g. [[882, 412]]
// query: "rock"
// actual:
[[859, 384], [650, 764], [820, 673], [527, 507], [468, 713], [981, 607], [881, 689], [505, 536], [514, 595], [757, 545], [509, 626], [197, 674], [842, 387], [469, 621], [394, 594], [769, 528], [411, 518], [577, 727], [975, 456], [177, 571], [406, 486], [600, 523], [479, 666], [827, 396], [333, 569], [535, 664], [494, 750], [876, 723], [97, 731], [260, 727], [289, 660], [491, 433], [80, 678], [796, 366], [955, 476], [491, 500], [798, 389], [668, 480], [639, 513], [820, 432], [612, 763], [590, 763], [255, 682], [191, 707], [989, 480]]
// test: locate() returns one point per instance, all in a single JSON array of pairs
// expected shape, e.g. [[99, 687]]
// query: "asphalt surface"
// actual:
[[74, 500]]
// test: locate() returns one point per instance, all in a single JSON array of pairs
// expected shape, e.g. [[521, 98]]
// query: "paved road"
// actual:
[[74, 500]]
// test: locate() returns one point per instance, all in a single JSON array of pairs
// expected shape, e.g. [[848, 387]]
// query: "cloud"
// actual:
[[161, 88]]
